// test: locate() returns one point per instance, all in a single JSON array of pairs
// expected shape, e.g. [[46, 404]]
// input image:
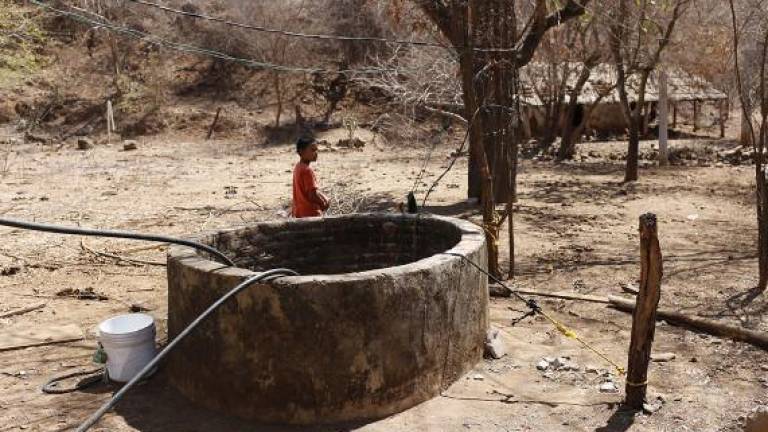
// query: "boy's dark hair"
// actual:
[[303, 143]]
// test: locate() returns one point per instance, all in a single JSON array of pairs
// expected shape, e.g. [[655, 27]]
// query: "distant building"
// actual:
[[599, 111]]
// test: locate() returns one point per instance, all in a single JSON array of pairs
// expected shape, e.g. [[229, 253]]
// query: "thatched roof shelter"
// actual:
[[536, 79]]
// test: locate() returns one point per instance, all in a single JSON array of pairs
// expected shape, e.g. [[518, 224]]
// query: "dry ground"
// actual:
[[577, 230]]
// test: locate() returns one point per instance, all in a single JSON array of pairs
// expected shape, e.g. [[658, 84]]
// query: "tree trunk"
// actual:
[[635, 123], [674, 115], [633, 150], [486, 125], [571, 131], [494, 24], [762, 227], [474, 183], [475, 86], [746, 132], [571, 135]]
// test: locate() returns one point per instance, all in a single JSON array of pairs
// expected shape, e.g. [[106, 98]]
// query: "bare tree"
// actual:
[[638, 32], [752, 24], [491, 48], [588, 51]]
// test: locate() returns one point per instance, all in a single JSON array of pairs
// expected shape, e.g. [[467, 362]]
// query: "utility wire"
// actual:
[[321, 36], [158, 41], [311, 35]]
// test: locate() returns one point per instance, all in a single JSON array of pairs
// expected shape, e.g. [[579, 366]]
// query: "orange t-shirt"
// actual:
[[304, 183]]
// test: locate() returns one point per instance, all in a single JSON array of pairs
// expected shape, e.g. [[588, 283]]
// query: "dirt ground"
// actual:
[[576, 231]]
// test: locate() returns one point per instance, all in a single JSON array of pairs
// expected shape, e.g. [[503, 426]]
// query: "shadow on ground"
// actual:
[[620, 421], [157, 407]]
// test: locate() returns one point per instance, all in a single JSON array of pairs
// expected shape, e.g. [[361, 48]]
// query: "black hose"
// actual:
[[115, 234], [267, 275], [91, 377], [531, 303]]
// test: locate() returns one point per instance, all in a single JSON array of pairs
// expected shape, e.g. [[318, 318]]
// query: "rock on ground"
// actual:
[[494, 346]]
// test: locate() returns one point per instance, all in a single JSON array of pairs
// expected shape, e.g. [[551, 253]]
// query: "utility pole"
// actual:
[[663, 119]]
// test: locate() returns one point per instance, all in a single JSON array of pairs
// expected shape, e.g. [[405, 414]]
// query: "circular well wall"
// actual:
[[378, 322]]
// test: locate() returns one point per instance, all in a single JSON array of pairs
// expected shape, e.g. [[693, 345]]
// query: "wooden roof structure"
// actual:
[[682, 86]]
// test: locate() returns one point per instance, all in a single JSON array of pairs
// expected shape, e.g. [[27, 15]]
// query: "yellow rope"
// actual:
[[567, 332], [631, 384]]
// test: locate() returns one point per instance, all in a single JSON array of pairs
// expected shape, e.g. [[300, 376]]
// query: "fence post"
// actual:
[[644, 316]]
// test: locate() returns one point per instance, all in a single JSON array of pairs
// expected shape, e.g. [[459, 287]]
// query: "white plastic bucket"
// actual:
[[129, 341]]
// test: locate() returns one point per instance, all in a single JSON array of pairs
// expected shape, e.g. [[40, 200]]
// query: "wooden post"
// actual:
[[110, 121], [695, 115], [722, 119], [674, 115], [644, 315], [213, 125], [663, 119]]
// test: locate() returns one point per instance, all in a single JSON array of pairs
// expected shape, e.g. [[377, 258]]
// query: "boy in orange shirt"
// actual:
[[307, 200]]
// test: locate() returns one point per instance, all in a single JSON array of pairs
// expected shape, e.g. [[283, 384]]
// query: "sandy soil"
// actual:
[[577, 230]]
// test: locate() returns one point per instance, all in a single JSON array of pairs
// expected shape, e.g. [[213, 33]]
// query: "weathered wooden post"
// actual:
[[110, 121], [722, 119], [644, 315], [663, 119], [695, 115]]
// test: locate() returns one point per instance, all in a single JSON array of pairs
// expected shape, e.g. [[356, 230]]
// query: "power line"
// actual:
[[311, 35], [286, 32], [192, 49]]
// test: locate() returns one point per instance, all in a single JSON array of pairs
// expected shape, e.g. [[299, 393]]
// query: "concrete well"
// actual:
[[378, 322]]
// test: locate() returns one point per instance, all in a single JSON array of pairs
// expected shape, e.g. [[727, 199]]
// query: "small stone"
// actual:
[[84, 143], [560, 363], [542, 365], [608, 387], [548, 375], [693, 360], [663, 357], [478, 377], [590, 369], [764, 367], [650, 408], [549, 360], [494, 346], [129, 145]]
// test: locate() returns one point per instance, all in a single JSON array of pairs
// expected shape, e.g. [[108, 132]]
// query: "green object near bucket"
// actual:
[[100, 356]]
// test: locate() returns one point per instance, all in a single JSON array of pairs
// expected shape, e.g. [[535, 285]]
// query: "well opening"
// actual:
[[337, 246]]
